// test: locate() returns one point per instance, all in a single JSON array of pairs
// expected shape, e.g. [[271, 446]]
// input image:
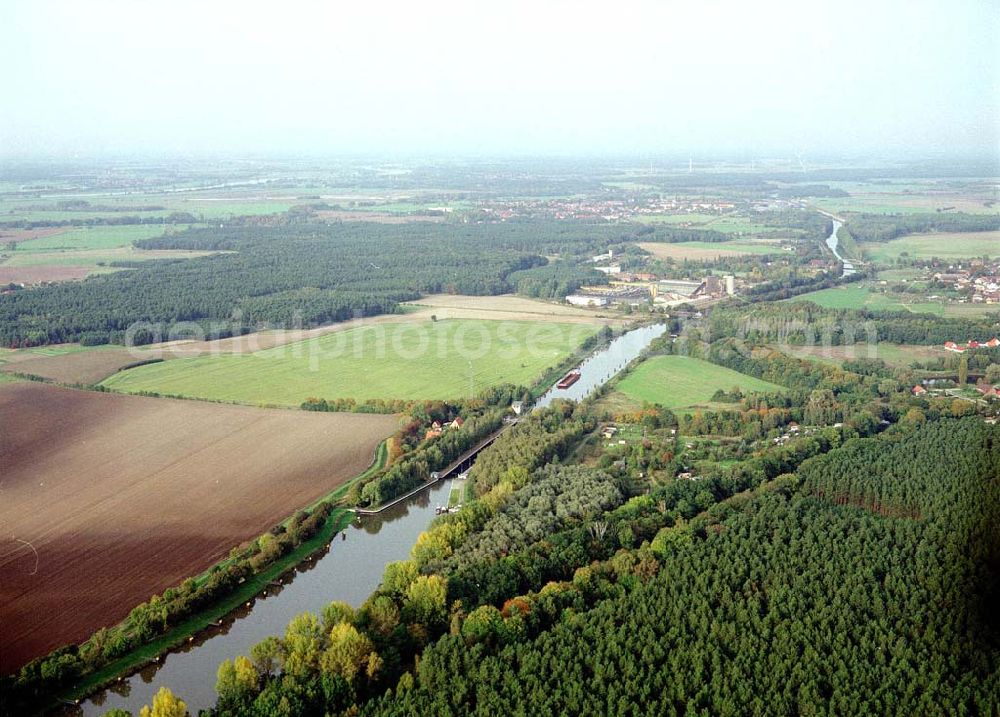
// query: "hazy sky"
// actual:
[[525, 77]]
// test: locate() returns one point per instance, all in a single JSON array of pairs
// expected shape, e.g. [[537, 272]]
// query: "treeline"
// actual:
[[82, 205], [112, 221], [877, 476], [805, 323], [276, 276], [676, 235], [886, 227], [423, 411], [567, 238]]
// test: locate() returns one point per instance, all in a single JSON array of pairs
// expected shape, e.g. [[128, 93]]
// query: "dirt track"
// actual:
[[123, 496]]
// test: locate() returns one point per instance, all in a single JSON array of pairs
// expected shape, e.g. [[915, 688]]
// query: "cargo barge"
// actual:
[[569, 379]]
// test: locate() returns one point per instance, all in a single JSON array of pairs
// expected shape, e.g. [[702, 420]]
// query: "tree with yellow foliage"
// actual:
[[349, 652], [165, 704]]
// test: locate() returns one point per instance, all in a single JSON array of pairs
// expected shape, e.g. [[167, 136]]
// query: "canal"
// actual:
[[349, 570], [599, 367], [832, 242]]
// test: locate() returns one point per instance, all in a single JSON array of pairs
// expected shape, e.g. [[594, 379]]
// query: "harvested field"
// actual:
[[21, 235], [706, 251], [84, 367], [39, 274], [123, 496], [944, 245], [507, 307], [898, 355], [444, 306], [336, 215], [33, 267]]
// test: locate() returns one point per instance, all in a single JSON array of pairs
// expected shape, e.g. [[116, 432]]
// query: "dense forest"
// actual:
[[278, 276], [886, 227], [874, 603], [804, 323]]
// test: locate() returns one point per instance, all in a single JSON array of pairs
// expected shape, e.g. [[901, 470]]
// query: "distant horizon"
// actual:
[[679, 156]]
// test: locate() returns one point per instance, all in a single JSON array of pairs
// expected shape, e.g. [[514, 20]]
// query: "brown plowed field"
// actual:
[[38, 274], [86, 367], [11, 235], [124, 496]]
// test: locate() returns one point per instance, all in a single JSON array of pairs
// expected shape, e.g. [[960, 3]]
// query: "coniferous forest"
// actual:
[[868, 588], [862, 582]]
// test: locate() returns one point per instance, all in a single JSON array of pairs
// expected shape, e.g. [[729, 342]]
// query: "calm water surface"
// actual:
[[832, 241], [604, 364], [350, 571]]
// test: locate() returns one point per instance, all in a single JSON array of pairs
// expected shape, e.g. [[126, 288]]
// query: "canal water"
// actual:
[[349, 570], [832, 241], [601, 366]]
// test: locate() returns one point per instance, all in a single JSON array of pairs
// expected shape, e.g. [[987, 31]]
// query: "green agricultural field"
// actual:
[[676, 218], [742, 225], [223, 208], [911, 198], [838, 297], [408, 360], [904, 274], [94, 259], [886, 204], [208, 204], [679, 381], [727, 224], [899, 355], [862, 297], [956, 245], [94, 238]]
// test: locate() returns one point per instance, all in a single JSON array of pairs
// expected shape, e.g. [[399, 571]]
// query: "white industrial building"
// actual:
[[586, 300]]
